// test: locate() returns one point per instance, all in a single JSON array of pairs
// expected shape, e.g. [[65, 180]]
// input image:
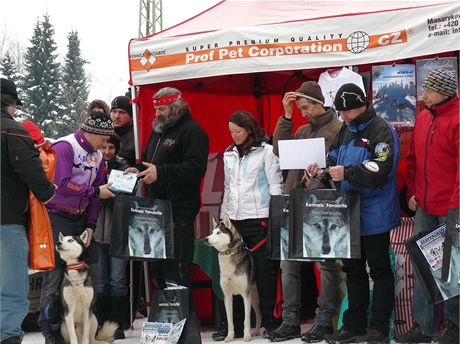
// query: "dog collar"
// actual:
[[77, 266]]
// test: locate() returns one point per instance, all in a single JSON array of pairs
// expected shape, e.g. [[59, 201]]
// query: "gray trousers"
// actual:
[[424, 313], [328, 300]]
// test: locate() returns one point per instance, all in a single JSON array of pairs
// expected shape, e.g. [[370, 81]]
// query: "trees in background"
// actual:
[[74, 84], [54, 97]]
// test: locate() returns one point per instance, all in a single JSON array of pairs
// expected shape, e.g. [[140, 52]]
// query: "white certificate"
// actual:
[[122, 182], [299, 154]]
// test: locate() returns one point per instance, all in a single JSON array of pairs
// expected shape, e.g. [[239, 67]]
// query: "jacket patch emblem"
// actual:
[[371, 166], [382, 151], [364, 141], [169, 143]]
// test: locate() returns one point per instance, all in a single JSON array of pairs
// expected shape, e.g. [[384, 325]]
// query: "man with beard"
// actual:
[[174, 163], [121, 114]]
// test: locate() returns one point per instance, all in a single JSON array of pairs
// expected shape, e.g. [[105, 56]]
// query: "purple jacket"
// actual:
[[79, 170]]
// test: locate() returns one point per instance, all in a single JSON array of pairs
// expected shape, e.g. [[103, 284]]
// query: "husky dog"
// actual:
[[79, 324], [147, 240], [237, 275], [325, 232]]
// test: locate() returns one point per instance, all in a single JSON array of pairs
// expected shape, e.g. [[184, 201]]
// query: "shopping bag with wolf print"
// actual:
[[451, 245], [142, 228], [324, 223], [278, 229], [426, 252]]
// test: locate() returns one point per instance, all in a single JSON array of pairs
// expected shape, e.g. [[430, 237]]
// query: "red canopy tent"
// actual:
[[246, 54]]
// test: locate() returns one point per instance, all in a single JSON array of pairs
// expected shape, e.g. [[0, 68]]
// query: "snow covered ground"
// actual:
[[133, 336]]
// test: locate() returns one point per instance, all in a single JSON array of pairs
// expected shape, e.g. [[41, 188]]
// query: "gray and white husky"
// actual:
[[78, 323], [237, 275]]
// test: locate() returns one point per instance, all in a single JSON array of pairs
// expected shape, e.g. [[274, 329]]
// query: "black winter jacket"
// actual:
[[21, 171], [181, 157]]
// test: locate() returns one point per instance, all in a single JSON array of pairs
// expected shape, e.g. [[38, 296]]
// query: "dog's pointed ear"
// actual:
[[313, 198], [227, 222], [339, 200], [84, 237], [214, 222], [60, 236]]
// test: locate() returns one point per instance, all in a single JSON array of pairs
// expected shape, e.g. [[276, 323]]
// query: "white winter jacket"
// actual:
[[249, 182]]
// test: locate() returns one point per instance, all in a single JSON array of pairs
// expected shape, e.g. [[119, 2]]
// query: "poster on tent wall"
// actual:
[[333, 40], [393, 93], [423, 67]]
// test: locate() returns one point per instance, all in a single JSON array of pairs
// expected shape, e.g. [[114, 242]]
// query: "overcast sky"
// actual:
[[104, 27]]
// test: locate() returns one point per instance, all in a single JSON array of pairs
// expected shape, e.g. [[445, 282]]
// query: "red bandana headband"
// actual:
[[166, 100]]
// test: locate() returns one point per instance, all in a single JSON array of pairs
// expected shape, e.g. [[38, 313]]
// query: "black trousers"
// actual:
[[179, 270], [374, 251], [252, 231]]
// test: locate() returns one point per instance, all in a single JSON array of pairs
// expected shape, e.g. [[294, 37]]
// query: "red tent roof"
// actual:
[[236, 13]]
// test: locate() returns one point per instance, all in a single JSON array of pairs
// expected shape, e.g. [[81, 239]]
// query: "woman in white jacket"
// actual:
[[252, 174]]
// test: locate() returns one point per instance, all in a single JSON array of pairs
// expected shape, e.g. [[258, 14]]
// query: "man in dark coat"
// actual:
[[174, 163], [22, 172]]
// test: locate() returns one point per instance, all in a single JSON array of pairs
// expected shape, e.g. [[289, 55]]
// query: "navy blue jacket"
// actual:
[[369, 149]]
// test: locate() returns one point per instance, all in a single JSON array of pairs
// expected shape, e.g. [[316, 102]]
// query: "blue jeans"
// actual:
[[424, 313], [14, 280], [111, 273], [328, 300]]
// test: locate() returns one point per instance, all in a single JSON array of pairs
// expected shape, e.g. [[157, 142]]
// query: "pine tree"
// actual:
[[74, 84], [8, 69], [41, 81]]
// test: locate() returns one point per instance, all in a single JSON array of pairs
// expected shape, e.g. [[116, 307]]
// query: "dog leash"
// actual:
[[263, 241]]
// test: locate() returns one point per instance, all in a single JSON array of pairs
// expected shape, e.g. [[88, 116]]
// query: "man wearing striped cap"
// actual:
[[432, 191]]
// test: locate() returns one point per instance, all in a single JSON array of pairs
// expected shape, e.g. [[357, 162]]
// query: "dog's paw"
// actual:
[[229, 338], [255, 332], [247, 337]]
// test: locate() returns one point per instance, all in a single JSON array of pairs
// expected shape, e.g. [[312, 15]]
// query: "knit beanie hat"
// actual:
[[312, 91], [348, 97], [115, 140], [442, 81], [98, 123], [34, 132], [122, 102]]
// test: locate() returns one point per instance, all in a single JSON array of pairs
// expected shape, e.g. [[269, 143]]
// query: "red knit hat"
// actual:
[[34, 132]]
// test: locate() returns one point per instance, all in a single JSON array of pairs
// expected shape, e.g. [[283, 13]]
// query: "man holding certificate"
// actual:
[[323, 123], [364, 158]]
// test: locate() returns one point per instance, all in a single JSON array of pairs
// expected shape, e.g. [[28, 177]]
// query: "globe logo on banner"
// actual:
[[357, 42]]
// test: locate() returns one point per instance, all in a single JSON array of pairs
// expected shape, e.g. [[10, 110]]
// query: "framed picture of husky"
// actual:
[[324, 224], [142, 228]]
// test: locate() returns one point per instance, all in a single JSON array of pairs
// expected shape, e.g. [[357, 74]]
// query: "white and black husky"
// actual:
[[237, 275], [79, 324]]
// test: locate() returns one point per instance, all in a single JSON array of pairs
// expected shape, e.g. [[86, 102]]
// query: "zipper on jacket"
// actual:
[[426, 158], [156, 149], [432, 134]]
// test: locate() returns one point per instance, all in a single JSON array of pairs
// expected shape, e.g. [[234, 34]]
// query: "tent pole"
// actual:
[[135, 125]]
